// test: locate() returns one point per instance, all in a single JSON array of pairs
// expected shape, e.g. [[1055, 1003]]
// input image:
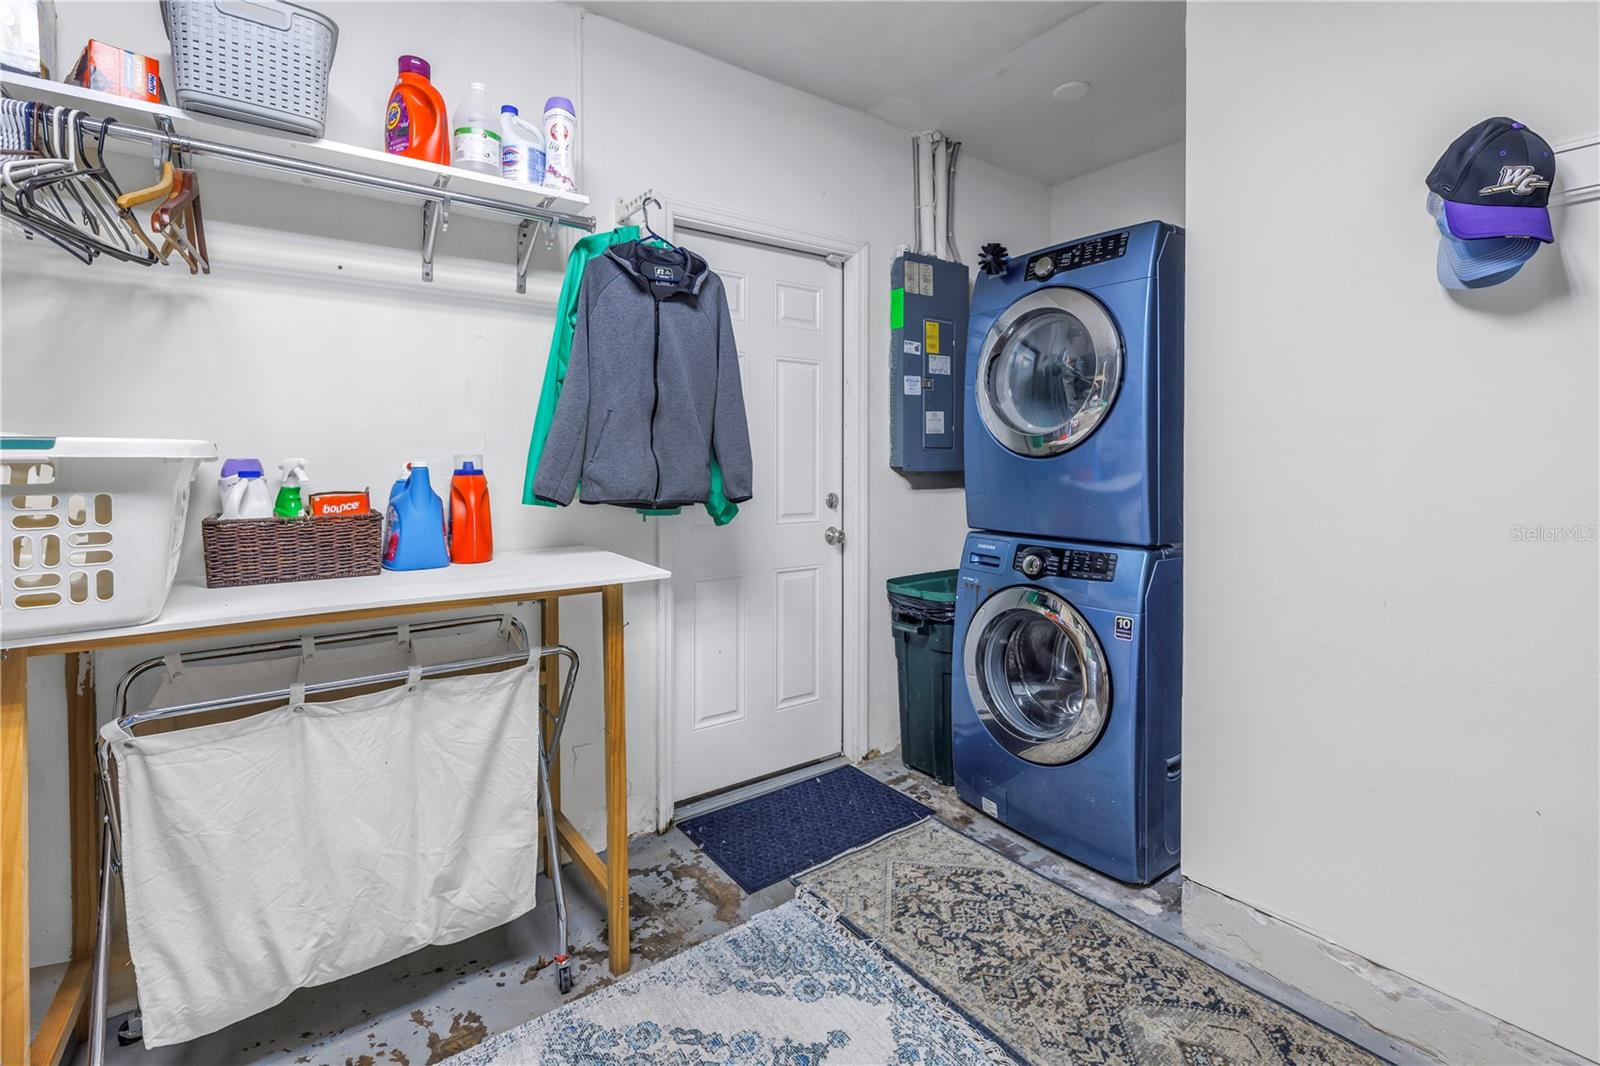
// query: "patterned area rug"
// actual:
[[776, 835], [1054, 976], [786, 989]]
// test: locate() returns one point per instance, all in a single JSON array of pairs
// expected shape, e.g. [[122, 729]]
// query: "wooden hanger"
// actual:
[[161, 188], [184, 189]]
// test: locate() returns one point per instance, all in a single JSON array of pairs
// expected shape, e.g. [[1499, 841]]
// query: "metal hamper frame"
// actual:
[[111, 831]]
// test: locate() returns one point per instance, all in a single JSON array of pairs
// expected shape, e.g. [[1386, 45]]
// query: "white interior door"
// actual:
[[758, 604]]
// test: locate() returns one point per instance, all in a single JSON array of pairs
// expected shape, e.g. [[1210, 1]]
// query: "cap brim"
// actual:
[[1445, 266], [1470, 260], [1477, 221]]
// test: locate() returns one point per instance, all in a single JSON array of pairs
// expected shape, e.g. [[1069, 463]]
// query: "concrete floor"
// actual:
[[429, 1005]]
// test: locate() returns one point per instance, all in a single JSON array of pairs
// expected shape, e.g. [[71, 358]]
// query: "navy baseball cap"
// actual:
[[1494, 180]]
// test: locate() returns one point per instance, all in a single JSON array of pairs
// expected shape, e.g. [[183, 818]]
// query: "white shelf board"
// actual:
[[369, 161], [508, 576]]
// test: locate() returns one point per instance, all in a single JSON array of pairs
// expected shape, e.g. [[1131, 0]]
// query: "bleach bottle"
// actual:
[[521, 148], [415, 538]]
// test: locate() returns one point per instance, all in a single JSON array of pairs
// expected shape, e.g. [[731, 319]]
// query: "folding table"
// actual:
[[194, 612]]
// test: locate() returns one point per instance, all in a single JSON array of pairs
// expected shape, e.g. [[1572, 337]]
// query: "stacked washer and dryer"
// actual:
[[1065, 710]]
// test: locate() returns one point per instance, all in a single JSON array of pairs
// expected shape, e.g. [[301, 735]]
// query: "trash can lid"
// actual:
[[935, 586]]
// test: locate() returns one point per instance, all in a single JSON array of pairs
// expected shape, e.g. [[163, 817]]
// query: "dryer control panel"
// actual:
[[1047, 265], [1038, 561]]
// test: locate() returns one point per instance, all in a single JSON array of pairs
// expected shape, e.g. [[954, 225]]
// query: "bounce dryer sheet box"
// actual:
[[335, 504], [109, 69]]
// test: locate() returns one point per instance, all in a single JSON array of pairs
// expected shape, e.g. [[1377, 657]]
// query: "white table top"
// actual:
[[510, 575]]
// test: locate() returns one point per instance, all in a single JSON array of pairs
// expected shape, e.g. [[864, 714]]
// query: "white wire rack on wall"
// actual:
[[168, 133]]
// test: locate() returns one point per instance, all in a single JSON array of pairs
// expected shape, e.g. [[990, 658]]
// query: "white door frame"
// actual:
[[853, 257]]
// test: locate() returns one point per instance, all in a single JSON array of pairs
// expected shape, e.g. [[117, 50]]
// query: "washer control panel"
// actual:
[[1047, 265], [1037, 561]]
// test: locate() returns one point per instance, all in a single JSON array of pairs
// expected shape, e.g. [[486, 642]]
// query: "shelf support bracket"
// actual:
[[528, 236], [435, 220]]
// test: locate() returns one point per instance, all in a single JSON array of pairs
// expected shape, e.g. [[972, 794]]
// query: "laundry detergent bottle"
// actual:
[[471, 535], [416, 123], [415, 538], [247, 496]]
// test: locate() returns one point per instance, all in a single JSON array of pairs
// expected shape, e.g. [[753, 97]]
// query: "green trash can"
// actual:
[[922, 609]]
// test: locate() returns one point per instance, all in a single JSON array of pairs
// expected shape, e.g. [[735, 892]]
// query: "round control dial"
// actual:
[[1033, 564], [1042, 267]]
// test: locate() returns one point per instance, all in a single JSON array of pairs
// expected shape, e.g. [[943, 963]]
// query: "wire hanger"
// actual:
[[644, 211]]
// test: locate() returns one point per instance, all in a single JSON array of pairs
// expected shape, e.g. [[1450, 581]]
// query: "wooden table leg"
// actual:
[[550, 633], [619, 931], [83, 815], [14, 1021]]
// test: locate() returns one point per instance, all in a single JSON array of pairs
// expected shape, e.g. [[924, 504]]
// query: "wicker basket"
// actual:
[[269, 551]]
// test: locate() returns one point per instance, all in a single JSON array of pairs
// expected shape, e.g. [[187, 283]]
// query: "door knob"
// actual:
[[833, 535]]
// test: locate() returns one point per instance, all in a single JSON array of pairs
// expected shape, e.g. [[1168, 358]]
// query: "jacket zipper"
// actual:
[[655, 404]]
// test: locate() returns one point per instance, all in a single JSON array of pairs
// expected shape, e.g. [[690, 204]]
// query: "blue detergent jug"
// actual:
[[415, 539]]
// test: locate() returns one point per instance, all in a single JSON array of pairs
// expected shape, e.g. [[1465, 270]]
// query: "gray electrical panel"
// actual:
[[928, 303]]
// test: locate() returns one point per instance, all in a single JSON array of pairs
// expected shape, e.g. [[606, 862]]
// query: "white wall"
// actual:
[[315, 336], [1390, 698], [1146, 187]]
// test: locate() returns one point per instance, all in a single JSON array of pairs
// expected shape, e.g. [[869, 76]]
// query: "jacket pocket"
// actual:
[[600, 438]]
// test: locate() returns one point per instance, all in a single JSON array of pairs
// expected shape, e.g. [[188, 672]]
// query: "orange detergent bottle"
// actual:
[[471, 534], [416, 123]]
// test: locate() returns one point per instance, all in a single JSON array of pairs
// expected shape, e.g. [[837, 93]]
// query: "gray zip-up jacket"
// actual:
[[652, 387]]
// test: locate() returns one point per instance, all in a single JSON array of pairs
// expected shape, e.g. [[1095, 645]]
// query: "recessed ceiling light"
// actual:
[[1072, 90]]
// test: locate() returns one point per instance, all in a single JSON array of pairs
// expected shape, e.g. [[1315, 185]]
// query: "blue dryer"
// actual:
[[1065, 709], [1074, 391]]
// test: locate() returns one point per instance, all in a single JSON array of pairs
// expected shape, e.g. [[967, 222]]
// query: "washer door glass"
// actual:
[[1037, 675], [1049, 372]]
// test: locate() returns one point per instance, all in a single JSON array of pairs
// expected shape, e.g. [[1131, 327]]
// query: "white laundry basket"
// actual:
[[92, 529]]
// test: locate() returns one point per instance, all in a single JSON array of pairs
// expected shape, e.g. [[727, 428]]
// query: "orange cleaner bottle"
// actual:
[[471, 533], [416, 123]]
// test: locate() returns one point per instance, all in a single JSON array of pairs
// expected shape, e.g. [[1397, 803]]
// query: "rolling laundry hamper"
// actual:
[[286, 814]]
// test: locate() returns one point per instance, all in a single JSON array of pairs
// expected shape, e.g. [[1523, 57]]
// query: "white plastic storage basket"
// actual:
[[260, 61], [92, 529]]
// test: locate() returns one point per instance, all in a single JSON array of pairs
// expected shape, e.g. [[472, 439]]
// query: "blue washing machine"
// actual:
[[1065, 709], [1074, 391]]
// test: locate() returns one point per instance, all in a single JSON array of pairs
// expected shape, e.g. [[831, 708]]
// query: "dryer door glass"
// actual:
[[1037, 675], [1049, 372]]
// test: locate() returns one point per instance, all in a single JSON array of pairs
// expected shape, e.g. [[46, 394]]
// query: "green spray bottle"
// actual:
[[291, 501]]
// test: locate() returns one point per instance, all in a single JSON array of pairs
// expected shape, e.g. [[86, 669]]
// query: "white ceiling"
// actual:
[[982, 71]]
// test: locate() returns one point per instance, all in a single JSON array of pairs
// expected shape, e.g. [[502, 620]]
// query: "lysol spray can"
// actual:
[[560, 137]]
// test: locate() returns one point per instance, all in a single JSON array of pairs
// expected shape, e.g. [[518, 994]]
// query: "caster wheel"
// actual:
[[564, 978], [130, 1032]]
